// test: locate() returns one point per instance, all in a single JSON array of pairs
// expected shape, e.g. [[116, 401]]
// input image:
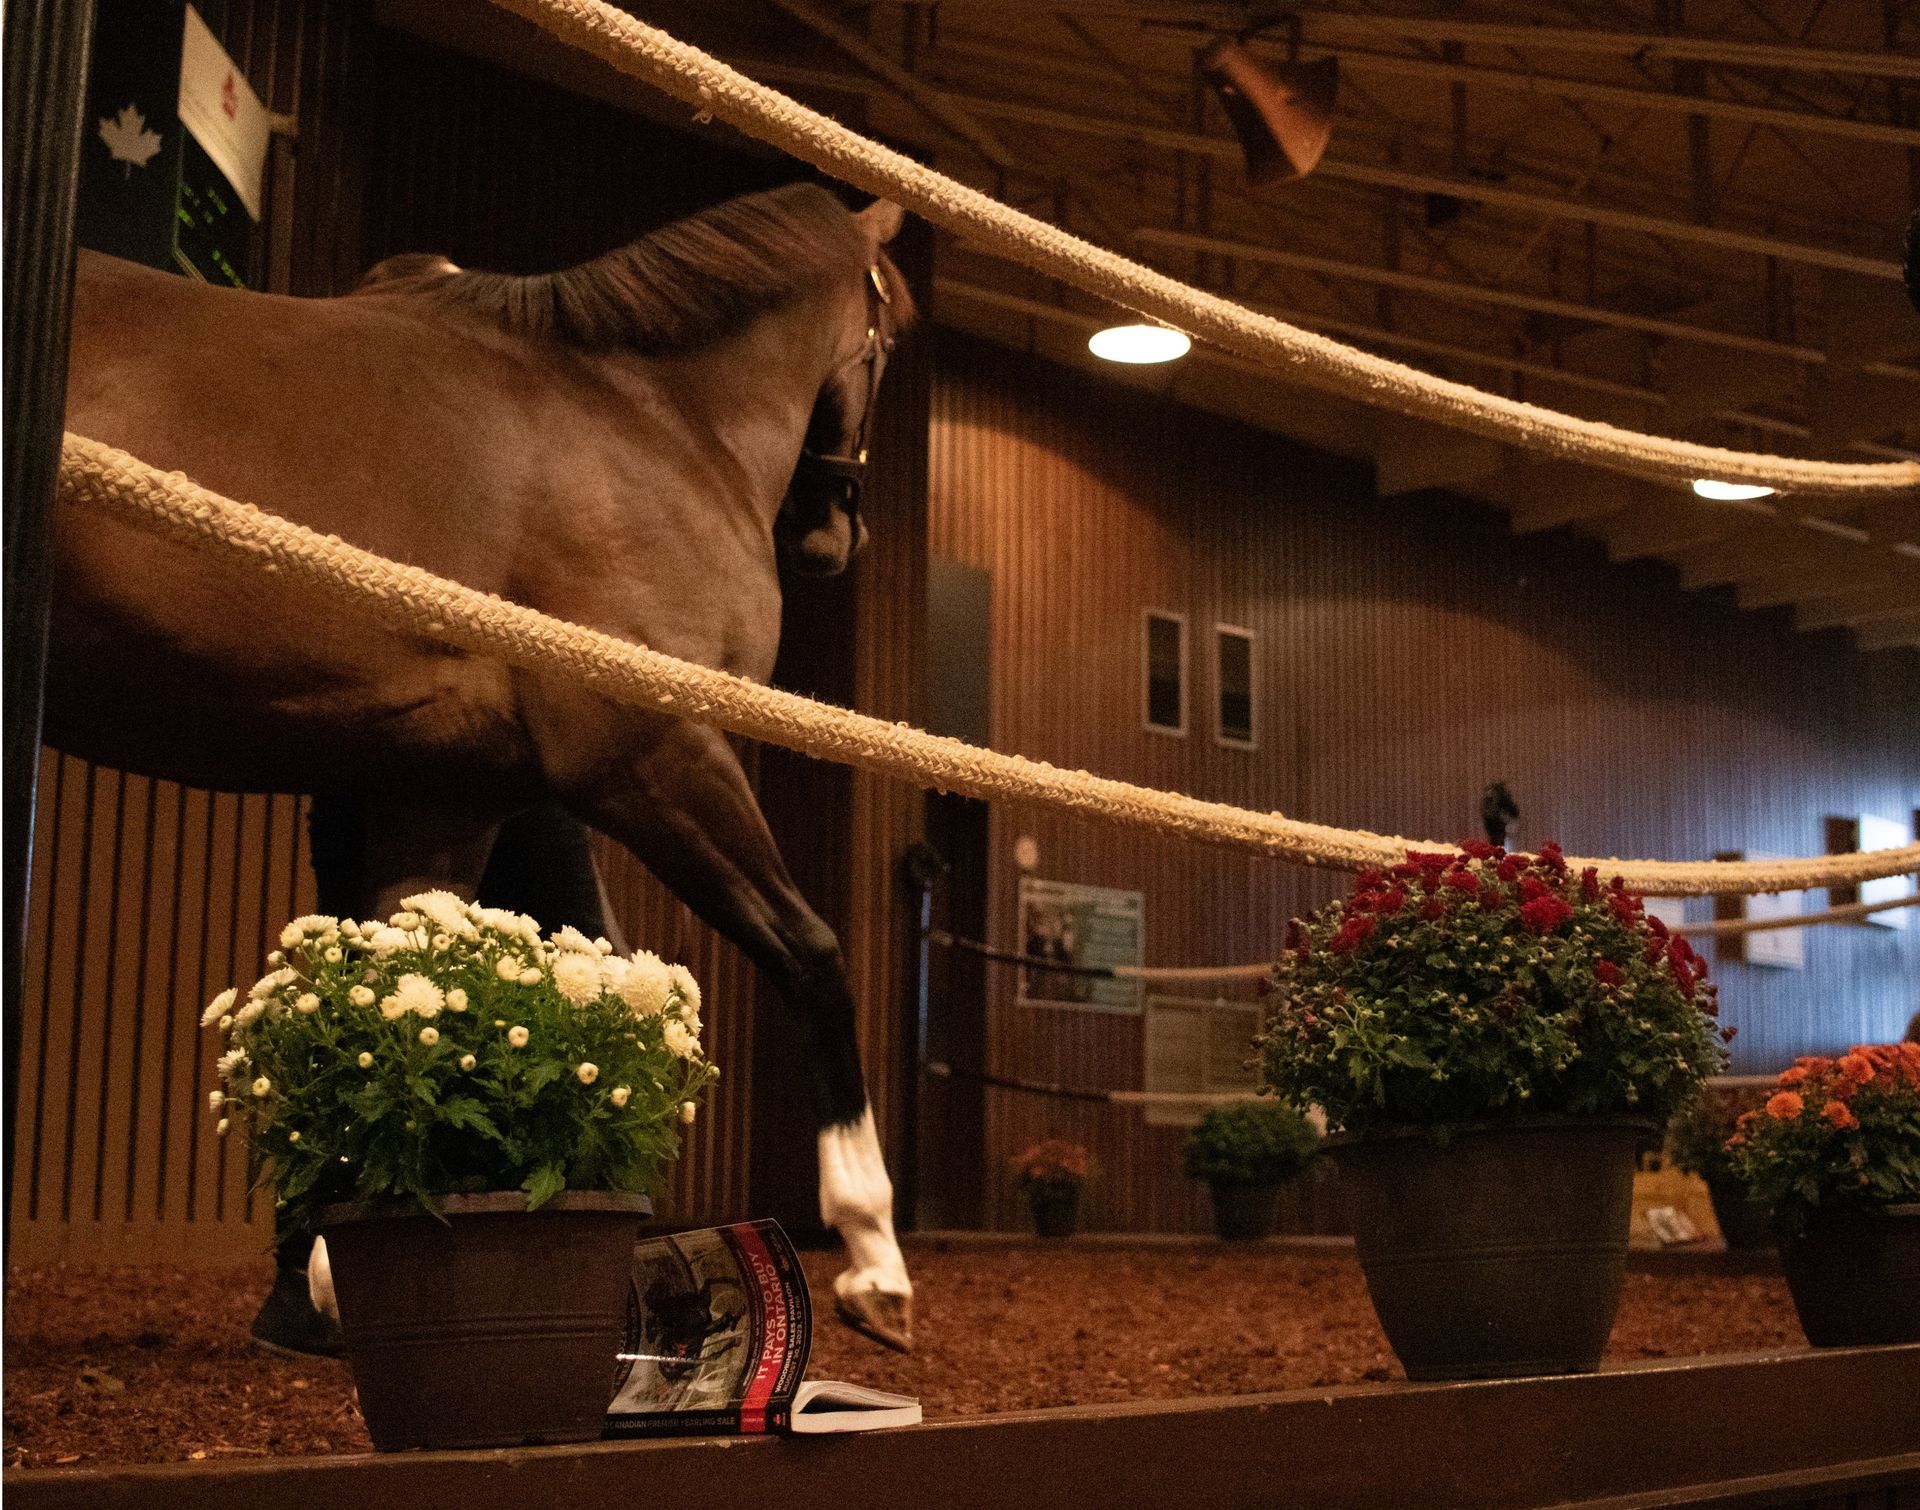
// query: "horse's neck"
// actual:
[[755, 392]]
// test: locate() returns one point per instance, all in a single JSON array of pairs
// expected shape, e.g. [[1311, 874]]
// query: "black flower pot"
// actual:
[[1056, 1209], [1855, 1276], [1500, 1251], [1743, 1221], [1244, 1212]]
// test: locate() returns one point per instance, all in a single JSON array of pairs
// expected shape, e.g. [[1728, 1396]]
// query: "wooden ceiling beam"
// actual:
[[1860, 606], [1650, 46], [1664, 528], [1219, 148], [1889, 634]]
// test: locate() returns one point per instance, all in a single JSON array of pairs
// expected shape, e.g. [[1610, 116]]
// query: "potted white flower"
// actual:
[[472, 1116]]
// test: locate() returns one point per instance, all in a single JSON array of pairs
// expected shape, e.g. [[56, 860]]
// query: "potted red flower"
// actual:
[[1052, 1173], [1492, 1039], [1835, 1154]]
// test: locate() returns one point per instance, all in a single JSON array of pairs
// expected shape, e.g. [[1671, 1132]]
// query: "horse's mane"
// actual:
[[698, 280]]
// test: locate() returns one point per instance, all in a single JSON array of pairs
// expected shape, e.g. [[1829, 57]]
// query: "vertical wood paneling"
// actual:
[[1409, 652]]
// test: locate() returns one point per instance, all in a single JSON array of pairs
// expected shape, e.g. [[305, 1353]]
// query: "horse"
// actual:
[[637, 443]]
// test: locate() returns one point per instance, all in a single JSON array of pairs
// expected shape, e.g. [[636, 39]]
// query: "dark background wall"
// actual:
[[1409, 652]]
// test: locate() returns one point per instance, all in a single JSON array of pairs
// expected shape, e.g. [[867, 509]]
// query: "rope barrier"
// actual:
[[408, 599], [1151, 974], [645, 52]]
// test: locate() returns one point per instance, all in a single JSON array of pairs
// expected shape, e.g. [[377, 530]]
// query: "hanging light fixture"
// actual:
[[1730, 492], [1139, 345], [1282, 112]]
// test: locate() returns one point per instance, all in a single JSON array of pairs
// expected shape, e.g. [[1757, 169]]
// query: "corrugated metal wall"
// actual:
[[1409, 652]]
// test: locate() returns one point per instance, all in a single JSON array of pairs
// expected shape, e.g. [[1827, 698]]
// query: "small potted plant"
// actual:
[[471, 1115], [1492, 1039], [1835, 1155], [1697, 1145], [1052, 1173], [1246, 1151]]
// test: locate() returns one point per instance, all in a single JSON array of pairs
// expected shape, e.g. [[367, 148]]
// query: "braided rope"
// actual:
[[408, 599], [649, 54]]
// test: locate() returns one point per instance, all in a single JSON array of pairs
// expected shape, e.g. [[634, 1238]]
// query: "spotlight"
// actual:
[[1139, 345], [1282, 112], [1729, 492]]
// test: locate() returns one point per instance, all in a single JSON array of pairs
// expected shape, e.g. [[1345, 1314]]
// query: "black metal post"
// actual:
[[920, 870], [47, 45]]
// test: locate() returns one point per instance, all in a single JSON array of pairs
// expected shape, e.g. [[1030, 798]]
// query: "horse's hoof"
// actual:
[[288, 1326], [883, 1315]]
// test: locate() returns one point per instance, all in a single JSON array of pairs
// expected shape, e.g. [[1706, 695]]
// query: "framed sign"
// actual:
[[1088, 926], [1200, 1047], [1777, 948]]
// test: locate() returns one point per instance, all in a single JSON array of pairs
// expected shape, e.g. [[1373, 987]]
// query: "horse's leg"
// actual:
[[407, 849], [684, 808], [542, 864]]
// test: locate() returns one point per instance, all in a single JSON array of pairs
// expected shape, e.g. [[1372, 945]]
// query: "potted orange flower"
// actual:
[[1835, 1154], [1052, 1173]]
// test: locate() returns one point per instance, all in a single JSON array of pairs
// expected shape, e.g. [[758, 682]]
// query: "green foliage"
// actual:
[[1697, 1136], [1464, 985], [454, 1050], [1251, 1143], [1836, 1134]]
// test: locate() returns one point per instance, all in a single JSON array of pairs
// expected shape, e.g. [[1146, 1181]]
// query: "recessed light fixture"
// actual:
[[1139, 345], [1730, 492]]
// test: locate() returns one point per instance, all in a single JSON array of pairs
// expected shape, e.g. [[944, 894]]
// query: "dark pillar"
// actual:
[[47, 43]]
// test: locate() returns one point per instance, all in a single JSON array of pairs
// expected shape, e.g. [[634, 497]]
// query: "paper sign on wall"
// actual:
[[1091, 927], [223, 113], [1885, 833], [1196, 1047]]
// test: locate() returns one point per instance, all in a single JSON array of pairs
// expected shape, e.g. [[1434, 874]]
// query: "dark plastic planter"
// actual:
[[1244, 1213], [1743, 1221], [1499, 1252], [1855, 1277], [1056, 1209], [495, 1328]]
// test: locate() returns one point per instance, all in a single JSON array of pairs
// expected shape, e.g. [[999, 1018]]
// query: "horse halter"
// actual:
[[848, 469]]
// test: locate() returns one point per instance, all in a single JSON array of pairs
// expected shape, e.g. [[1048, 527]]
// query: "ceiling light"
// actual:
[[1730, 492], [1140, 345]]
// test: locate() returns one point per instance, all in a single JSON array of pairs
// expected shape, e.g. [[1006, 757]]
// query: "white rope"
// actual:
[[647, 53], [410, 600]]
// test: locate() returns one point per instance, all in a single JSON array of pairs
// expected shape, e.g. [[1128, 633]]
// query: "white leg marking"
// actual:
[[857, 1198], [320, 1282]]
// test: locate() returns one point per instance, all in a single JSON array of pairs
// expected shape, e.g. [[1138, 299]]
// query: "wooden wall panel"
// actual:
[[1410, 651]]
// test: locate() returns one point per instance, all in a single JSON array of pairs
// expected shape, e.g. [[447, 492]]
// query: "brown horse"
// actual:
[[634, 444]]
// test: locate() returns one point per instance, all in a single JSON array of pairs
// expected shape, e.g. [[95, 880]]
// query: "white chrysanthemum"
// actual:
[[294, 1136], [530, 976], [365, 1061], [679, 1038], [643, 983], [687, 986], [508, 967], [350, 929], [262, 1085], [250, 1013], [516, 924], [418, 995], [306, 1001], [299, 928], [429, 1036], [387, 940], [268, 984], [602, 946], [687, 1112], [577, 977], [226, 1022], [517, 1036], [221, 1126], [361, 996], [333, 956], [467, 1061], [570, 940], [446, 911], [588, 1073], [456, 1000], [620, 1095], [216, 1100], [218, 1007], [231, 1063], [405, 919]]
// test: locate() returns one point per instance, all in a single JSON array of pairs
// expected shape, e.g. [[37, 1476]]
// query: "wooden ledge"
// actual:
[[1785, 1428]]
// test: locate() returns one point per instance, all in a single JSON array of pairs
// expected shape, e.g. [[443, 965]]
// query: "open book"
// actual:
[[718, 1331]]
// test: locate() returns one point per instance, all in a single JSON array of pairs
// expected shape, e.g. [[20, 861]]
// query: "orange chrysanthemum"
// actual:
[[1785, 1104], [1840, 1115]]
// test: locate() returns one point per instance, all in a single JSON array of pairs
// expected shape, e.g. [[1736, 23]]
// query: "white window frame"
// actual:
[[1220, 736], [1147, 616]]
